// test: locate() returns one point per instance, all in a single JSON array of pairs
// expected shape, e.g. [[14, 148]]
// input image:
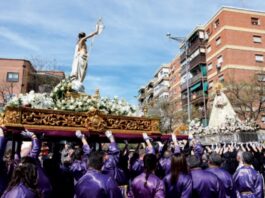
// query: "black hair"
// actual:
[[95, 160], [78, 153], [25, 172], [81, 35], [215, 159], [194, 162], [248, 158], [149, 165]]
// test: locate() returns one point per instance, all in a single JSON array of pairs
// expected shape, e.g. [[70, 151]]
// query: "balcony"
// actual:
[[160, 90], [193, 80], [199, 43], [200, 59], [195, 98]]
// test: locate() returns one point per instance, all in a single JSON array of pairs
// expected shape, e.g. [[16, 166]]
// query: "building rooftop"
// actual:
[[161, 67], [234, 9]]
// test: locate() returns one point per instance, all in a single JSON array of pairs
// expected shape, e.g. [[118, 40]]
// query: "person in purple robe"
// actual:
[[24, 181], [178, 184], [204, 183], [248, 183], [3, 169], [138, 165], [147, 185], [165, 161], [80, 156], [214, 164], [111, 160], [94, 184], [43, 181]]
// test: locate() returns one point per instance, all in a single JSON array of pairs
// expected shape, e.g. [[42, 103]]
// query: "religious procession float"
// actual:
[[68, 108], [224, 124]]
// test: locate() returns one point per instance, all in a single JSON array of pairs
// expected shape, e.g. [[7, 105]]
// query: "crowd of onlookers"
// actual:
[[172, 168]]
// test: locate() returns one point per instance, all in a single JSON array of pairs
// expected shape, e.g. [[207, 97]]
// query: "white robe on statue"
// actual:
[[79, 65], [221, 110]]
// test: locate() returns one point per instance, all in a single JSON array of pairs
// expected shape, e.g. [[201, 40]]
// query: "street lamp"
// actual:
[[183, 40]]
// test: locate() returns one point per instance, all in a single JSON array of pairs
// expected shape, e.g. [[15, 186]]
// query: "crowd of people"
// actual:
[[179, 169]]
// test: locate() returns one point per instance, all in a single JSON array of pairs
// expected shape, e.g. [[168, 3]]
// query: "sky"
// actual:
[[129, 51]]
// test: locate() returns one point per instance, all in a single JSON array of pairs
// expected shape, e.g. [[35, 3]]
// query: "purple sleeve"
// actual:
[[113, 159], [138, 166], [160, 190], [220, 189], [187, 189], [150, 151], [113, 189], [3, 142], [86, 149], [198, 150], [35, 151], [177, 149], [259, 187]]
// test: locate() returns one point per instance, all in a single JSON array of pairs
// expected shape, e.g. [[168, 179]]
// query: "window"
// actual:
[[263, 119], [210, 66], [209, 49], [259, 58], [210, 84], [12, 77], [255, 21], [220, 60], [218, 41], [261, 78], [256, 39], [221, 78], [216, 23]]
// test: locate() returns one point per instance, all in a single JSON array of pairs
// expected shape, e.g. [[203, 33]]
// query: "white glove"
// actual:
[[174, 138], [1, 132], [108, 134], [146, 137], [190, 136], [79, 134], [160, 144], [27, 133]]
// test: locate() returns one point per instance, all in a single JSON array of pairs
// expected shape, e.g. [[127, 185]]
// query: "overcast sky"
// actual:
[[129, 51]]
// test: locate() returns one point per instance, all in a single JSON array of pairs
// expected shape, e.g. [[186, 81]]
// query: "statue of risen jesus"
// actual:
[[79, 65]]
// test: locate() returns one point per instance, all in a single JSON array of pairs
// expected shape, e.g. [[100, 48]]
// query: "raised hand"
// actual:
[[174, 138], [27, 133], [146, 137], [109, 135], [79, 134]]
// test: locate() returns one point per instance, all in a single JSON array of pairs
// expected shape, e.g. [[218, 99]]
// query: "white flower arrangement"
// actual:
[[57, 101], [229, 127], [33, 100]]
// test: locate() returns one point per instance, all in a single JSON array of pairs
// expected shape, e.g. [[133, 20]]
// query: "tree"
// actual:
[[247, 96], [6, 92], [43, 64], [170, 116]]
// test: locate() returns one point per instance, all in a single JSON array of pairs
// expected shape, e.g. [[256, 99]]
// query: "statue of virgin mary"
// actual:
[[221, 110]]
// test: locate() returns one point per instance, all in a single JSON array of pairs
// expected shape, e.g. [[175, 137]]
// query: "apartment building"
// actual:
[[19, 76], [157, 88], [174, 81], [193, 72]]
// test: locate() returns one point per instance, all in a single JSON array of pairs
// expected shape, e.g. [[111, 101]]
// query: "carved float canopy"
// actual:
[[63, 121]]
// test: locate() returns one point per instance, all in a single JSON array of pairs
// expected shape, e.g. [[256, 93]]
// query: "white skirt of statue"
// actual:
[[222, 109], [79, 65]]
